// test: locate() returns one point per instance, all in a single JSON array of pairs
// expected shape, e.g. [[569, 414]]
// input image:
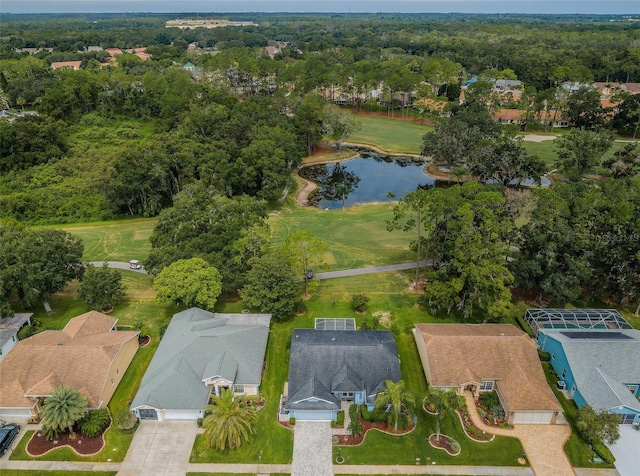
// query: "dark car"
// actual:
[[8, 433], [309, 274]]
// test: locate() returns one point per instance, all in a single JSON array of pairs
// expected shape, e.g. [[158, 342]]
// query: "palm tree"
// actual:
[[63, 408], [229, 424], [444, 402], [396, 399]]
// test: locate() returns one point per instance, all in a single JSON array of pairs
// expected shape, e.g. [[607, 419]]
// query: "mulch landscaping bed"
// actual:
[[348, 440], [143, 340], [443, 444], [39, 445]]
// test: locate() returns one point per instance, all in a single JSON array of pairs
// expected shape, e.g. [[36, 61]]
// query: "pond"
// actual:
[[365, 179], [374, 177]]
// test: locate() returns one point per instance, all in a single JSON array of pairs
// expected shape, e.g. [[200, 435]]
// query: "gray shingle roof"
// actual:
[[602, 366], [325, 361], [198, 345]]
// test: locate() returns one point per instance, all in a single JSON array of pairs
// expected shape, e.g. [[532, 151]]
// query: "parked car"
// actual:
[[8, 433], [134, 264]]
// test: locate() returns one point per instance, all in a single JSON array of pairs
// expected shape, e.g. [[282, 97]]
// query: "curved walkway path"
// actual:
[[543, 444]]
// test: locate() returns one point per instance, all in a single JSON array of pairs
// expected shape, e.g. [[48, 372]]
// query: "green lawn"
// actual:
[[546, 151], [120, 240], [357, 236], [391, 135]]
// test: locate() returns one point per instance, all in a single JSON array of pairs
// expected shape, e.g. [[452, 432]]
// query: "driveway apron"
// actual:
[[543, 444], [160, 448], [627, 451], [312, 449]]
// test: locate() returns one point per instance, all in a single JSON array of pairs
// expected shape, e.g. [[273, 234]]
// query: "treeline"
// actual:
[[578, 239], [536, 48]]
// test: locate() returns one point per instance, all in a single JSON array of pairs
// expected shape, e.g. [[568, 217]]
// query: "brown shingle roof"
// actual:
[[66, 64], [466, 353], [78, 356]]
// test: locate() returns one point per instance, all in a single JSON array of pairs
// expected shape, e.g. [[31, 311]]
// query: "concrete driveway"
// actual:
[[312, 449], [627, 451], [161, 448]]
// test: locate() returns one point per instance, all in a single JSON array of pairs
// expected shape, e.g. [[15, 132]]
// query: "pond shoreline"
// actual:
[[309, 186]]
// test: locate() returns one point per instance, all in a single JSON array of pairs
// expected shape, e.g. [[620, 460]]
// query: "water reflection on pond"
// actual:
[[365, 179]]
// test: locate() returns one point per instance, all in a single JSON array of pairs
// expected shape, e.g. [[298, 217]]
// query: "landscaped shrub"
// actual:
[[126, 420], [354, 412], [359, 302], [604, 453], [374, 416], [300, 307], [544, 356], [199, 422], [94, 422], [292, 421], [340, 418], [482, 413], [489, 399], [355, 428], [455, 446], [497, 411], [48, 432]]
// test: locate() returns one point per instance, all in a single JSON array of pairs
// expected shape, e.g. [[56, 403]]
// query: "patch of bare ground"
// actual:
[[384, 317]]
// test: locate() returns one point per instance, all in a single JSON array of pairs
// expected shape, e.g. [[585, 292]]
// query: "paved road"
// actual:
[[329, 274], [117, 265]]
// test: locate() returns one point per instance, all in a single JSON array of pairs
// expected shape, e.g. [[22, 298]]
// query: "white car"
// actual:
[[134, 264]]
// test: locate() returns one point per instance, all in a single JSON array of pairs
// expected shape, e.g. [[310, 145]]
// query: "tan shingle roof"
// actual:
[[79, 356], [466, 353]]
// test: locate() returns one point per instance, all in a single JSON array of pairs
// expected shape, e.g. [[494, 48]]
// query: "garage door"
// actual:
[[532, 418], [146, 414], [182, 414], [313, 415]]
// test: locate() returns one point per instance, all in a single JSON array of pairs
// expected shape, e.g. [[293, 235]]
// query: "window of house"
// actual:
[[553, 356], [633, 388], [238, 388], [627, 418], [486, 385], [13, 338], [117, 371], [564, 373], [111, 381]]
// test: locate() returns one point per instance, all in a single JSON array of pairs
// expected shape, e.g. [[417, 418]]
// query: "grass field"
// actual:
[[391, 135], [357, 236], [120, 240]]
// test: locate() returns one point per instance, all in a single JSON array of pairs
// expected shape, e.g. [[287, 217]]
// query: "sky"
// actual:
[[627, 7]]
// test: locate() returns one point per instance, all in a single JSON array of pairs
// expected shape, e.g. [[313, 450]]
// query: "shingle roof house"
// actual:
[[88, 355], [326, 367], [600, 367], [200, 353], [486, 357]]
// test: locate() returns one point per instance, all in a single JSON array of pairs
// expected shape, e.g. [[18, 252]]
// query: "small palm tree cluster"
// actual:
[[444, 402], [398, 402], [228, 424], [62, 410]]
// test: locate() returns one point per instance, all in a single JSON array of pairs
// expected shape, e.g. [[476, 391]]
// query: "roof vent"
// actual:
[[333, 338], [59, 343]]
